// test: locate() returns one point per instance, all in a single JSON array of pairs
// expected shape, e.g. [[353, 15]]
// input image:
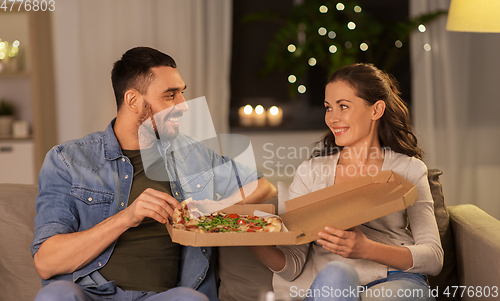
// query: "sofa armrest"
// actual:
[[477, 246]]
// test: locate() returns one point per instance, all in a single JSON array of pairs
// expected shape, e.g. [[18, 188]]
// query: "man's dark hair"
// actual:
[[133, 70]]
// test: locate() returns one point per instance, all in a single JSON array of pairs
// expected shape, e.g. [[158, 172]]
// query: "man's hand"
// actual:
[[66, 253], [151, 203]]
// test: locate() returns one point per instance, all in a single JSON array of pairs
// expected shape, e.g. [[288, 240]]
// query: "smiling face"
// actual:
[[164, 100], [350, 118]]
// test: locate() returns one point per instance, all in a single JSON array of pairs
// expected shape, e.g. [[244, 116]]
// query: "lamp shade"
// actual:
[[474, 15]]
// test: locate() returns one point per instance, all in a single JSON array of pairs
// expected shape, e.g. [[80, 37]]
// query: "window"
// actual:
[[250, 86]]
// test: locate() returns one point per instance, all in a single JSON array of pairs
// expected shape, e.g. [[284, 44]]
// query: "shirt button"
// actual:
[[200, 278], [203, 250], [126, 176], [123, 159], [198, 185], [99, 264], [90, 199], [176, 193], [122, 204]]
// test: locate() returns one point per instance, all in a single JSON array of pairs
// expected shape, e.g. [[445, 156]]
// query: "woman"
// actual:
[[369, 131]]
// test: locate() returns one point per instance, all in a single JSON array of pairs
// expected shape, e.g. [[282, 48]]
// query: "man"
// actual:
[[99, 229]]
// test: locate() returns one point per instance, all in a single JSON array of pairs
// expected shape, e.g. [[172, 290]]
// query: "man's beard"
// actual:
[[159, 127]]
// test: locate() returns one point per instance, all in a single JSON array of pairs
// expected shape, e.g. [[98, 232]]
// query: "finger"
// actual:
[[328, 244], [336, 232], [332, 238], [156, 204], [158, 212], [163, 196], [156, 216], [331, 247]]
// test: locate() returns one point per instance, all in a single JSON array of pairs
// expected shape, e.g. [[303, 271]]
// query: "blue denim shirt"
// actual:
[[83, 182]]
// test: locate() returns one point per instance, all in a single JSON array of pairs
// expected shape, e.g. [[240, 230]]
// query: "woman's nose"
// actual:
[[332, 117]]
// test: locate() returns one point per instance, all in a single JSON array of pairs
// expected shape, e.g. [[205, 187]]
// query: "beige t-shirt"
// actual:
[[394, 229]]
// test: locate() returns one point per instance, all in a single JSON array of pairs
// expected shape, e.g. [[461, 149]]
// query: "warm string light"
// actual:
[[322, 31], [422, 28], [8, 55]]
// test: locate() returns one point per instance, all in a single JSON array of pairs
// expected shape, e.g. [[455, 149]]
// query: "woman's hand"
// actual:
[[350, 243]]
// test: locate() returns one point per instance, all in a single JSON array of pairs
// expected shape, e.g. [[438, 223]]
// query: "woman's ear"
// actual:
[[131, 100], [378, 109]]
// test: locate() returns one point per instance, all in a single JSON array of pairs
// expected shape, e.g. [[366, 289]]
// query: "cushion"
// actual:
[[20, 280], [448, 275]]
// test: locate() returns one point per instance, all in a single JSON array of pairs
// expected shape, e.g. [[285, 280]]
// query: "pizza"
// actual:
[[190, 219]]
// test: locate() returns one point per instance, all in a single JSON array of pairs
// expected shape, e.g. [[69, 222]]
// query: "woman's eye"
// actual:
[[328, 109], [343, 107]]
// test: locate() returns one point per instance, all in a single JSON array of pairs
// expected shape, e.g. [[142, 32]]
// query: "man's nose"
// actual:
[[182, 104]]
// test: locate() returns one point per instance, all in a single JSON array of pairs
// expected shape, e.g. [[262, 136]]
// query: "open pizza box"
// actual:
[[342, 206]]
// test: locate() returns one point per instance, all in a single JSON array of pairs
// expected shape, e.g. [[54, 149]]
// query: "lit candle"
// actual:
[[274, 116], [246, 115], [260, 116]]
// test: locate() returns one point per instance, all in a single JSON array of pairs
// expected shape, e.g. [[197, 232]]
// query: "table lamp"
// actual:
[[474, 16]]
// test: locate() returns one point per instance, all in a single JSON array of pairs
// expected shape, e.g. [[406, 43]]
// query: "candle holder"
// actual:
[[259, 116], [246, 114], [274, 116]]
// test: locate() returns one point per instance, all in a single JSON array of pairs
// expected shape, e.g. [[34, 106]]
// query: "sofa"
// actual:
[[470, 237]]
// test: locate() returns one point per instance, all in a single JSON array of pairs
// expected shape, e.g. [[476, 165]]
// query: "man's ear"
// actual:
[[378, 109], [132, 100]]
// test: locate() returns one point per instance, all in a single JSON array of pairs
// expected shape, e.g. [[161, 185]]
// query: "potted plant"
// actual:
[[6, 118]]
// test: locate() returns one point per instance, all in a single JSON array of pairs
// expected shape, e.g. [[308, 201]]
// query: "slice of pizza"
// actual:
[[190, 219]]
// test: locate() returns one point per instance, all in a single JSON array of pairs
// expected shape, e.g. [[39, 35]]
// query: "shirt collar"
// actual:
[[112, 149]]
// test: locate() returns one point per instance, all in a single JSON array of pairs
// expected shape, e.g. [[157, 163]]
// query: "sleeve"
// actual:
[[231, 175], [427, 252], [296, 255], [54, 206]]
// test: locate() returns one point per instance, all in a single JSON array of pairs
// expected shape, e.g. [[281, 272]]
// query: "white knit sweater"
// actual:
[[394, 229]]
